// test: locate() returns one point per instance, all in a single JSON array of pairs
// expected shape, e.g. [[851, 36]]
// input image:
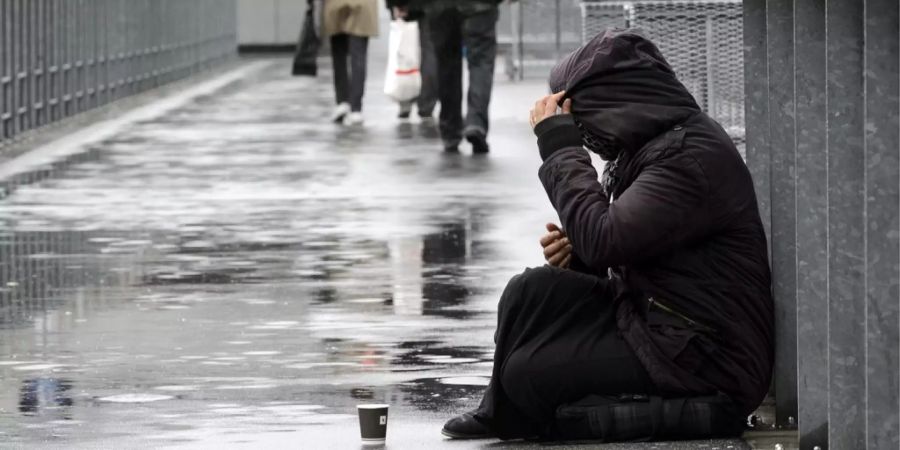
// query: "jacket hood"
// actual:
[[622, 88]]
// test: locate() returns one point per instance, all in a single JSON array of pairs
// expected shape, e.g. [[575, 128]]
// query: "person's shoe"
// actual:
[[353, 119], [451, 146], [465, 426], [405, 111], [426, 115], [478, 141], [340, 111]]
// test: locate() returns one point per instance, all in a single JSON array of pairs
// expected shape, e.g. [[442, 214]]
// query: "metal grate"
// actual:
[[702, 40], [61, 57]]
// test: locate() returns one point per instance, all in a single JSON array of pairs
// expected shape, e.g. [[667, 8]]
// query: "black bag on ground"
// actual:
[[308, 47], [645, 418]]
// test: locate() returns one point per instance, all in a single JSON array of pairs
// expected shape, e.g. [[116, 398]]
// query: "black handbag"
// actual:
[[308, 47], [632, 418]]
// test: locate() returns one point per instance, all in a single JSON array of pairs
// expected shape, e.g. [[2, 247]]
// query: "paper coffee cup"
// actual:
[[373, 423]]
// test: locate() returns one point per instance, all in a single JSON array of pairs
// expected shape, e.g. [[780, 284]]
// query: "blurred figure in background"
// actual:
[[412, 10], [349, 24], [454, 24]]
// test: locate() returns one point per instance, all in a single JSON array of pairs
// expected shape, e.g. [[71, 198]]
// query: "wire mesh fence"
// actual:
[[62, 57], [702, 40], [538, 33]]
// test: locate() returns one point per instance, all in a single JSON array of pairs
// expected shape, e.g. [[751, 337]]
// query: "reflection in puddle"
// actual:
[[444, 394], [38, 367], [135, 398], [40, 396], [177, 388], [465, 381]]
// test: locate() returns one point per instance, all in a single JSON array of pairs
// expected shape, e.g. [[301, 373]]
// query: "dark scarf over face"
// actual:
[[623, 92]]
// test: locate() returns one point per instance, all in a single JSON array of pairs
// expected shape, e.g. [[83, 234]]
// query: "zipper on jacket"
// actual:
[[681, 316]]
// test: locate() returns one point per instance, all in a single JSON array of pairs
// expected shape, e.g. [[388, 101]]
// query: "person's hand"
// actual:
[[548, 106], [557, 248], [400, 12]]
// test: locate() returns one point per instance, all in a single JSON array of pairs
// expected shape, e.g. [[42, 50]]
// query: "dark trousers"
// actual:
[[349, 85], [556, 342], [428, 98], [451, 29]]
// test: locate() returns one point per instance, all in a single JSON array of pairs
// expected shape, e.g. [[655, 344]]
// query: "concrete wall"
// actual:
[[823, 143]]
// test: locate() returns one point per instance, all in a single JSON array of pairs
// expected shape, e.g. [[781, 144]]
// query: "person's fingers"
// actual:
[[550, 108], [555, 227], [566, 262], [555, 247], [548, 238], [531, 118], [567, 106], [539, 110], [551, 104], [559, 256], [546, 107], [558, 96], [551, 250]]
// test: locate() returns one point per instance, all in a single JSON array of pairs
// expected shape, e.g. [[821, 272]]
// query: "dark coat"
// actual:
[[683, 228]]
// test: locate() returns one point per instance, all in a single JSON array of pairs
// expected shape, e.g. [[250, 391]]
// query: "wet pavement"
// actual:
[[241, 272]]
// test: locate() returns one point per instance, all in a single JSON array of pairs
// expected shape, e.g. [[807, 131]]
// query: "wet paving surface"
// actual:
[[243, 272], [243, 266]]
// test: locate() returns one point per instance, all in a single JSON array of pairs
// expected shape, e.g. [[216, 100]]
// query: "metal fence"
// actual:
[[62, 57], [702, 40], [537, 33]]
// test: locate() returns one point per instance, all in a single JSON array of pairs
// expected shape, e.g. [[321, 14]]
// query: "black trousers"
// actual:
[[556, 342], [349, 85], [428, 98], [453, 28]]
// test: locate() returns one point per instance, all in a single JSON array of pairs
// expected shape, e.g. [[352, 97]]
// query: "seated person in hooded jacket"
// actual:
[[658, 280]]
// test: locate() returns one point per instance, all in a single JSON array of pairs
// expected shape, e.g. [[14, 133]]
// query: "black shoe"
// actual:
[[451, 149], [479, 142], [405, 111], [465, 426]]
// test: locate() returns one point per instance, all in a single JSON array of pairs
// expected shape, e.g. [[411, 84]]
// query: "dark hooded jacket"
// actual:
[[675, 225]]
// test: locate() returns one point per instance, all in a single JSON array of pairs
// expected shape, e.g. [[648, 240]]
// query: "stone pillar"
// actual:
[[812, 223], [823, 144], [882, 210]]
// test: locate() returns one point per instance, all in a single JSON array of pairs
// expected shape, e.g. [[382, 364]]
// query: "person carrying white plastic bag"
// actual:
[[403, 81]]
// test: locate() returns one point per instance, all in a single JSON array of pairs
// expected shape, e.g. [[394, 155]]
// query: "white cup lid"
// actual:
[[372, 406]]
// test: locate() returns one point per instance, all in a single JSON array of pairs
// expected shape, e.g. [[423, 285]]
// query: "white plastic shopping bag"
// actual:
[[403, 81]]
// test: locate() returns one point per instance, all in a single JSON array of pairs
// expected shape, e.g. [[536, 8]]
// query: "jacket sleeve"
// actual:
[[664, 208]]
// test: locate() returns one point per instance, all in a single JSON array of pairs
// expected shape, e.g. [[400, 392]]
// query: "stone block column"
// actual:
[[823, 144]]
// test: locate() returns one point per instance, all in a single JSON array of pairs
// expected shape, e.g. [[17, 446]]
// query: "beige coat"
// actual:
[[355, 17]]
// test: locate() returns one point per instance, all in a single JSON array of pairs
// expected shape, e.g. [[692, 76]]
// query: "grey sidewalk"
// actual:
[[241, 272]]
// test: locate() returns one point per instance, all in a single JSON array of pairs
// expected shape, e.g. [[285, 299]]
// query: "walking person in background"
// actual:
[[412, 10], [454, 24], [349, 24]]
